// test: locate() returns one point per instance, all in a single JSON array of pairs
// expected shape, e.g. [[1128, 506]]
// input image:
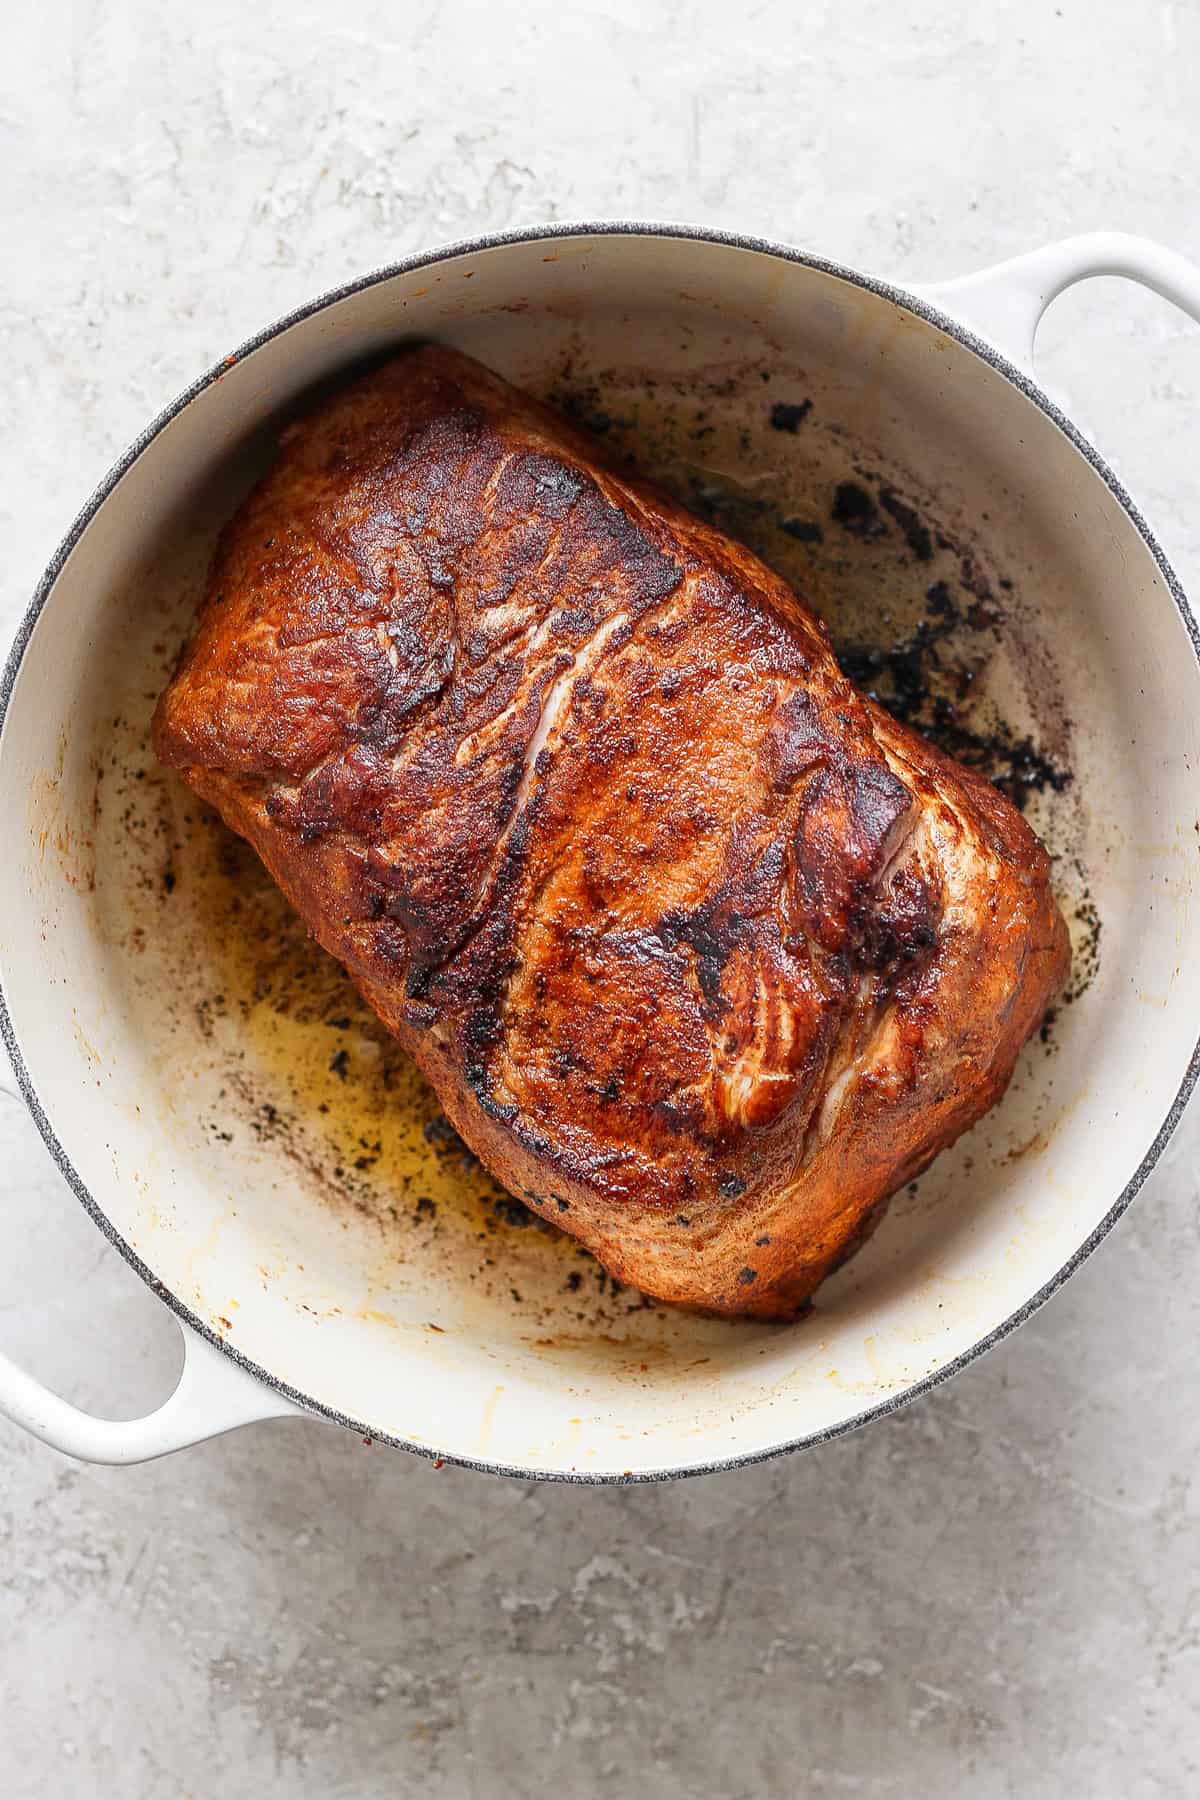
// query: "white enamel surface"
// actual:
[[324, 1305]]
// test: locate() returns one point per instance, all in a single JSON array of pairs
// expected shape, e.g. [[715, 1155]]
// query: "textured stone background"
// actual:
[[992, 1594]]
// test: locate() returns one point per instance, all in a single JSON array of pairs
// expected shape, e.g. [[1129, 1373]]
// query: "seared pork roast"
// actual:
[[703, 952]]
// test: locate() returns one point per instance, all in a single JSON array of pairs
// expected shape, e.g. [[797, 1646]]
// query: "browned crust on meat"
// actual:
[[705, 955]]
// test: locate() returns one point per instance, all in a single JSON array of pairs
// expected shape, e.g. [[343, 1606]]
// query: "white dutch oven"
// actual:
[[153, 1106]]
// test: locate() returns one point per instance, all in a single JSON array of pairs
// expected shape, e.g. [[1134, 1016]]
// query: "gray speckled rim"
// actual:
[[425, 259]]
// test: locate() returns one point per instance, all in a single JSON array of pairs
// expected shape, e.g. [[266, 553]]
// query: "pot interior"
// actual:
[[273, 1159]]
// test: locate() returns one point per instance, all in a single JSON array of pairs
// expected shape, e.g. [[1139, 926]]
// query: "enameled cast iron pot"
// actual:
[[291, 1302]]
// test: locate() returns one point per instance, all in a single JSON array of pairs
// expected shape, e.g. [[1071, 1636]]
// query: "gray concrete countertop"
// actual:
[[993, 1593]]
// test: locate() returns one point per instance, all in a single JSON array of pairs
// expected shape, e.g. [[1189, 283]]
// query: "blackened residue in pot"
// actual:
[[927, 677], [925, 680], [917, 534], [805, 531], [584, 409], [789, 415], [591, 406], [1084, 922], [856, 512]]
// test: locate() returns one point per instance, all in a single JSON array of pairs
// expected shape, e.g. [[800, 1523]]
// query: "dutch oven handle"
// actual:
[[1003, 304], [213, 1395]]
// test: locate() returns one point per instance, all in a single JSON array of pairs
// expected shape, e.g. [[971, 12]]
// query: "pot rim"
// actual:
[[616, 228]]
